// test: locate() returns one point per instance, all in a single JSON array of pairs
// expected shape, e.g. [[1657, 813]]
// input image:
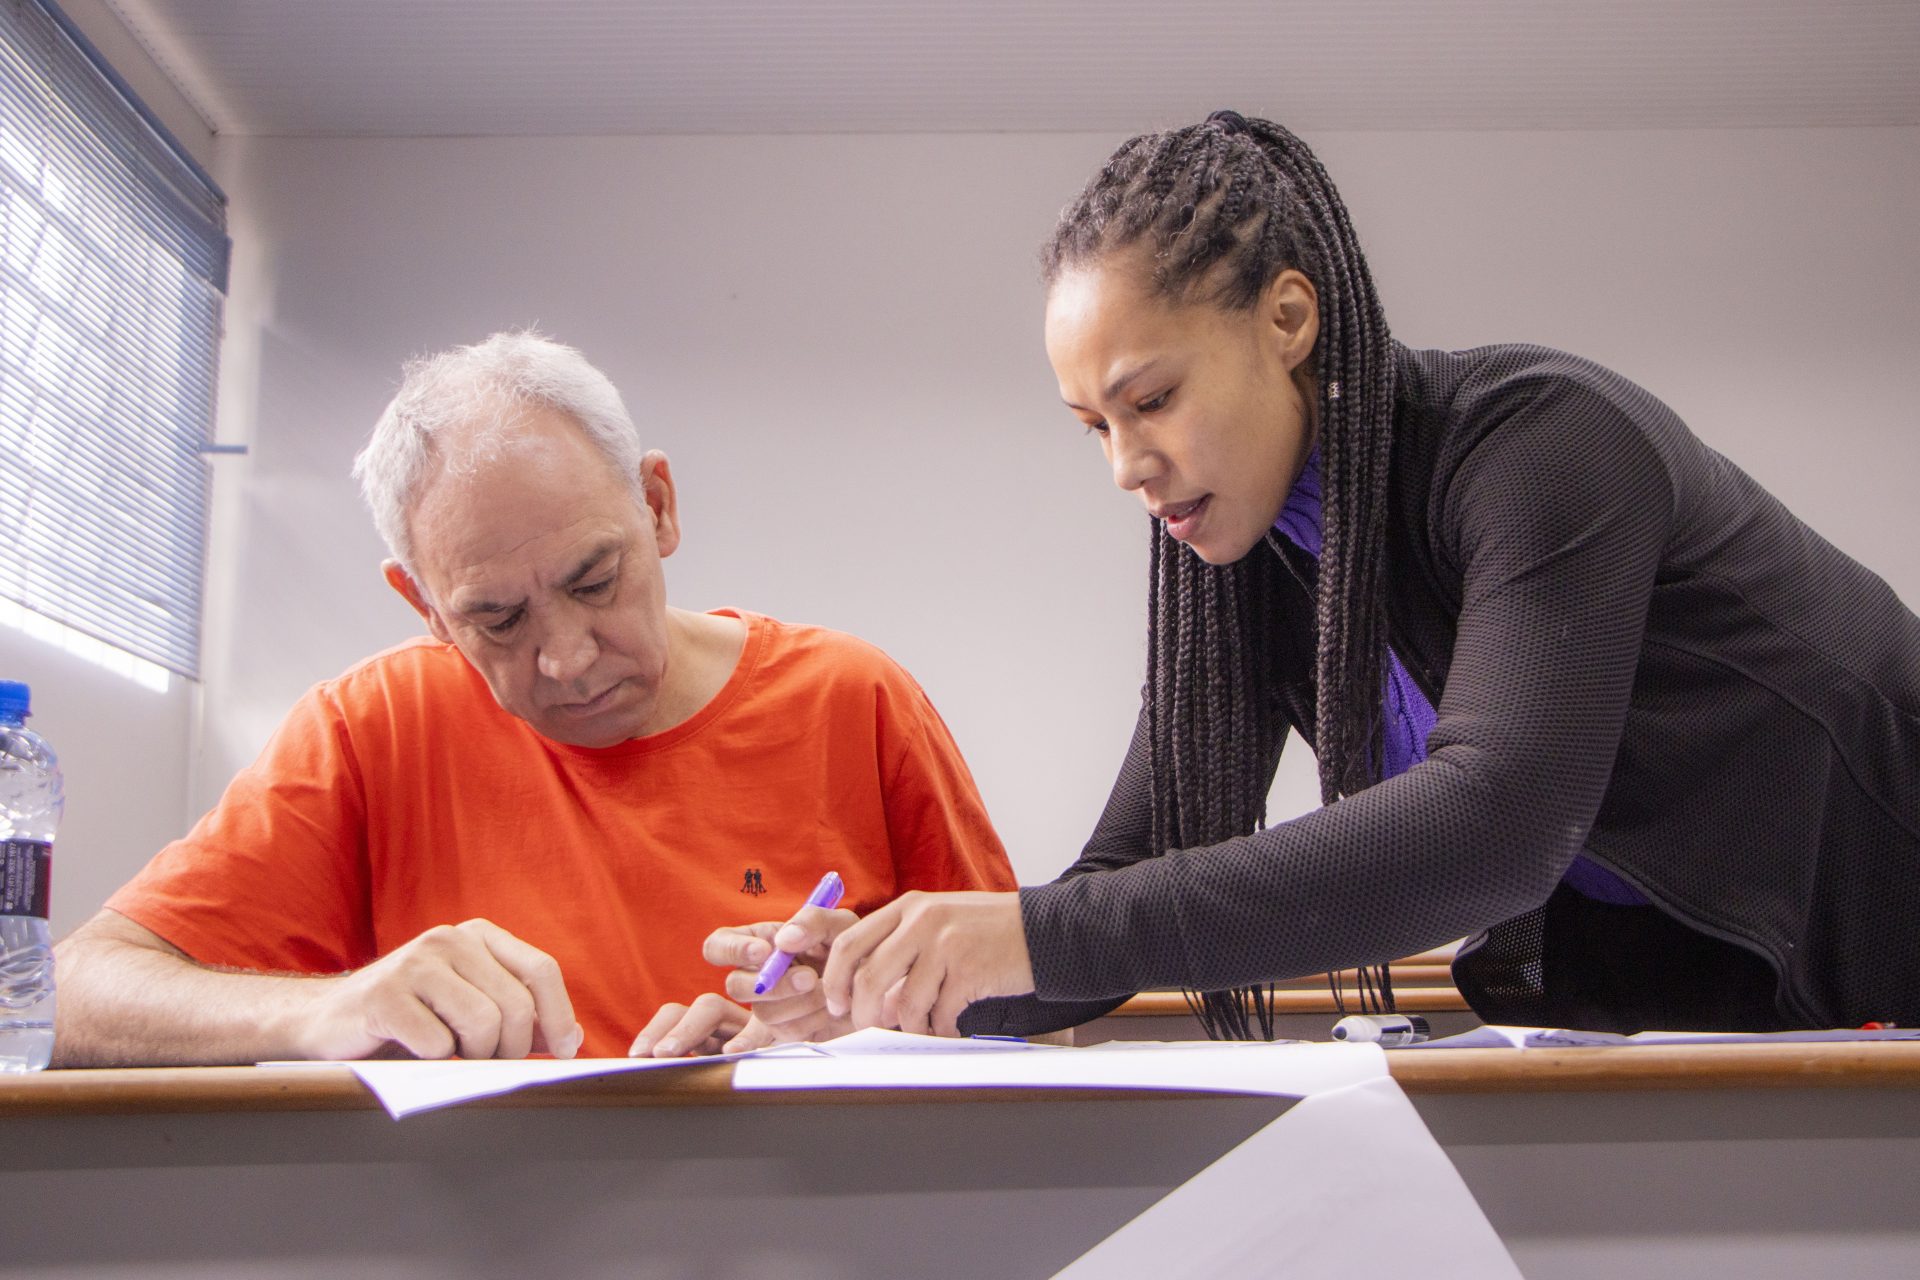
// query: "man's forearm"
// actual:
[[126, 1003]]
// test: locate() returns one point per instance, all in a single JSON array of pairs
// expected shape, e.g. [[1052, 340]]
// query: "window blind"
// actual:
[[113, 265]]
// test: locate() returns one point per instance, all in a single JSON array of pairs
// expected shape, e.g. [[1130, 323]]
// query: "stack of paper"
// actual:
[[1491, 1037]]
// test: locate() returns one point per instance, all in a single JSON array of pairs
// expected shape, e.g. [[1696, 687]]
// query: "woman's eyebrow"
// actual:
[[1119, 383]]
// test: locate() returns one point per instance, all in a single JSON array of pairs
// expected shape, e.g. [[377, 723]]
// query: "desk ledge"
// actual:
[[161, 1090]]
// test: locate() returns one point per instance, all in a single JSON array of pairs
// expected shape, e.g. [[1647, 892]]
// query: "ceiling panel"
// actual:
[[502, 67]]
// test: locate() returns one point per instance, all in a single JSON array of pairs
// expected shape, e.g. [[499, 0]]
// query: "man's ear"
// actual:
[[656, 482], [1291, 308], [400, 580]]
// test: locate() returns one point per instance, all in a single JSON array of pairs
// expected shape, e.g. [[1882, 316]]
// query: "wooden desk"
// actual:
[[1297, 1015], [1303, 1009], [1752, 1160]]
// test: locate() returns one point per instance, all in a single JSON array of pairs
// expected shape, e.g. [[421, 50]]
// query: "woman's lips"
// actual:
[[1183, 517]]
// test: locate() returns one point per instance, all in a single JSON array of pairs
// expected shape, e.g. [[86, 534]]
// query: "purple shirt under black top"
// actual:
[[1410, 717]]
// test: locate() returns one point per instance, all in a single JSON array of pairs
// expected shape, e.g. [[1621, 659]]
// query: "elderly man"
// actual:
[[518, 834]]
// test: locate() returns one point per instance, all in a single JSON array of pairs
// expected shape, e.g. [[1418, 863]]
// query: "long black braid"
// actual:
[[1223, 207]]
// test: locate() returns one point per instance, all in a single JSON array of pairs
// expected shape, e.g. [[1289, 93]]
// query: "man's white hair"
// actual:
[[487, 385]]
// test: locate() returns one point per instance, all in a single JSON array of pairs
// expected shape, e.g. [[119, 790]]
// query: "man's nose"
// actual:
[[567, 649]]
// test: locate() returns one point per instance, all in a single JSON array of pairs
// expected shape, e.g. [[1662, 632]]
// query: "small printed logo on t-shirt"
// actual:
[[751, 882]]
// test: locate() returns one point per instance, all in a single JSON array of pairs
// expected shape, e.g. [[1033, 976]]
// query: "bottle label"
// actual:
[[24, 872]]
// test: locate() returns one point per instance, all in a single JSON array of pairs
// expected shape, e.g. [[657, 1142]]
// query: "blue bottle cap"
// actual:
[[16, 699]]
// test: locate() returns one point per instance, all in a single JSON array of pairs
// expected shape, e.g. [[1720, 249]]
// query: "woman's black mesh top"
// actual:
[[1635, 652]]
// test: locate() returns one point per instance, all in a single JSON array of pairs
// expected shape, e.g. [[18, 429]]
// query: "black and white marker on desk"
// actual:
[[1388, 1030]]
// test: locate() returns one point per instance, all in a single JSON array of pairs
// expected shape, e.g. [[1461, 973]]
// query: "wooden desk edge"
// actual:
[[186, 1090]]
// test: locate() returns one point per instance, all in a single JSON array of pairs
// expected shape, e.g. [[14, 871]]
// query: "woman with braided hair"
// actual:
[[1579, 689]]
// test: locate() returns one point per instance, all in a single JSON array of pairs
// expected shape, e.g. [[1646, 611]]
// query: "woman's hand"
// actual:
[[920, 960]]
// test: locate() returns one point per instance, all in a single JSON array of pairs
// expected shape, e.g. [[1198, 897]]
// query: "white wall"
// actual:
[[836, 339]]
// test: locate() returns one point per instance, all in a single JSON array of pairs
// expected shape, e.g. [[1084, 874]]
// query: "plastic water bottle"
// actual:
[[30, 804]]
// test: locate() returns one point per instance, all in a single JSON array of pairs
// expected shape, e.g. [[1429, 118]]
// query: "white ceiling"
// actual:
[[435, 67]]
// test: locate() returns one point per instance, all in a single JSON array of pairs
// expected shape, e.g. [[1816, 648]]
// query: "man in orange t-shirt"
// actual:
[[516, 835]]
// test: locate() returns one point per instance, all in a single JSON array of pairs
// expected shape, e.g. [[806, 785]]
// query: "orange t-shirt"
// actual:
[[400, 796]]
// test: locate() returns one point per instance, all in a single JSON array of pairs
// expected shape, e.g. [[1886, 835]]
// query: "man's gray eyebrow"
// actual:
[[592, 561], [485, 606], [586, 566]]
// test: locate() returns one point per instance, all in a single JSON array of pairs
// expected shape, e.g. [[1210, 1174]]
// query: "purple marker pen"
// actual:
[[825, 894]]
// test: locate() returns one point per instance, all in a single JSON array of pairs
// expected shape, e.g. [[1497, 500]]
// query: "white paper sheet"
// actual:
[[877, 1058], [408, 1086], [1494, 1037], [1347, 1183], [881, 1040], [1288, 1070]]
